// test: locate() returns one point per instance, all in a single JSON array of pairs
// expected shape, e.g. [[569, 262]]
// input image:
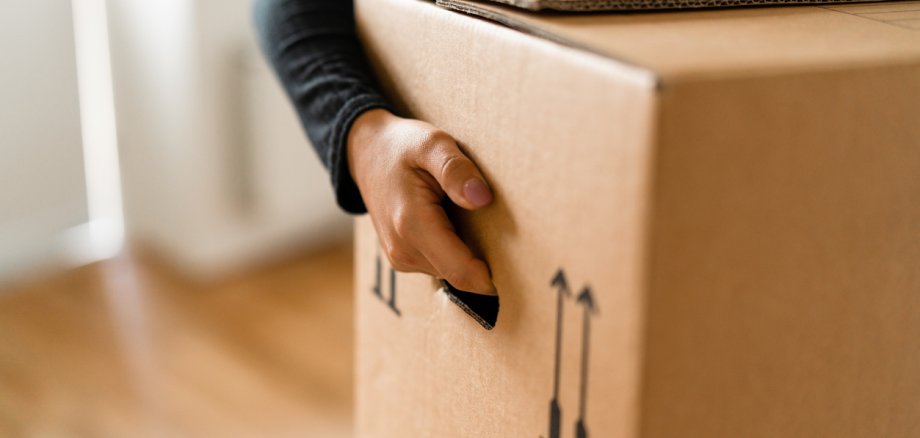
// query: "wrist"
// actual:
[[365, 128]]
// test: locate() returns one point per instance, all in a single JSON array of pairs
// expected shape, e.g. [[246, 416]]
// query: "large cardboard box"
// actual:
[[707, 224]]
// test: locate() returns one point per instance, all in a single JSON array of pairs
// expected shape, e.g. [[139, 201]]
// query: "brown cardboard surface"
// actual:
[[621, 5], [751, 241], [784, 278], [686, 45], [434, 371]]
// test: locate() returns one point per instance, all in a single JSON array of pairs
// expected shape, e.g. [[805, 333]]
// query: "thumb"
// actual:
[[456, 174]]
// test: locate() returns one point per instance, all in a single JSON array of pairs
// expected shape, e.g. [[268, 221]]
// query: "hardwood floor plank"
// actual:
[[126, 347]]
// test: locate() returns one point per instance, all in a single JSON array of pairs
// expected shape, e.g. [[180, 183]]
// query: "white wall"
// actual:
[[42, 186], [217, 173]]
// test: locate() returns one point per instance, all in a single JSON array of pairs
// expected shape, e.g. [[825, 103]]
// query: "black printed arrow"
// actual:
[[585, 298], [392, 302], [376, 287], [555, 414]]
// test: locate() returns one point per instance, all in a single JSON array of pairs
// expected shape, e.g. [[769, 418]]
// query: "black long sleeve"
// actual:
[[314, 49]]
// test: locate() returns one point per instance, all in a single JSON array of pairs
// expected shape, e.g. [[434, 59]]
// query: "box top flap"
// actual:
[[728, 42], [622, 5]]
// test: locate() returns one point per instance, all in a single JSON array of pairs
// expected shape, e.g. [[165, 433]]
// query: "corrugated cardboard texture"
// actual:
[[560, 187], [751, 240], [633, 5]]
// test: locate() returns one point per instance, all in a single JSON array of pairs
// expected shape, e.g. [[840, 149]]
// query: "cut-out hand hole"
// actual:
[[483, 308]]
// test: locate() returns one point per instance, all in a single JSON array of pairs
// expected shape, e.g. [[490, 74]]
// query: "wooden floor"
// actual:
[[125, 348]]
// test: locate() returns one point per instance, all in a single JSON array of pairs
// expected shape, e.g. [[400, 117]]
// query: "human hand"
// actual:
[[403, 168]]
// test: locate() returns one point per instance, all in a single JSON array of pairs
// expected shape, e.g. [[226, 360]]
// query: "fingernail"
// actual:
[[477, 192]]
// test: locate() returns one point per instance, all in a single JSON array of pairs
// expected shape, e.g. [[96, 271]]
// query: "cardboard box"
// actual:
[[626, 5], [732, 199]]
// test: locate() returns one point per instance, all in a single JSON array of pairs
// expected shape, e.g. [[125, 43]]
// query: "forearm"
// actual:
[[313, 48]]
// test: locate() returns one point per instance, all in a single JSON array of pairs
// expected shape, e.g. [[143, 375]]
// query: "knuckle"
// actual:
[[400, 258], [403, 223], [433, 139], [436, 136], [452, 163]]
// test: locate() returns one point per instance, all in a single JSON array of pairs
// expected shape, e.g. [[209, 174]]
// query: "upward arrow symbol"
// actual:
[[561, 284], [586, 299]]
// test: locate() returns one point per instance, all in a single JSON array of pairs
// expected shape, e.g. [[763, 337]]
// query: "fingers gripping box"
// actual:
[[705, 224]]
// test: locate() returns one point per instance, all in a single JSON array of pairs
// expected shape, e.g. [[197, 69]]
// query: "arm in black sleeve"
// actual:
[[314, 49]]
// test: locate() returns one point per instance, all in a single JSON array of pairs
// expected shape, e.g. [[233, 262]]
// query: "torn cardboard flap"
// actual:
[[684, 45], [482, 308]]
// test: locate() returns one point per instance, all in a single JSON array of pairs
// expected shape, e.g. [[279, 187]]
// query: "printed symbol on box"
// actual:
[[586, 299], [378, 290]]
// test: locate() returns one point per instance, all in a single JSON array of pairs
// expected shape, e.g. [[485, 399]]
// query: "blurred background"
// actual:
[[172, 262]]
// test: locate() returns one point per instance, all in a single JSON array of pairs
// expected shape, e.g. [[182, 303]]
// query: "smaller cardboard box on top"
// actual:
[[706, 224]]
